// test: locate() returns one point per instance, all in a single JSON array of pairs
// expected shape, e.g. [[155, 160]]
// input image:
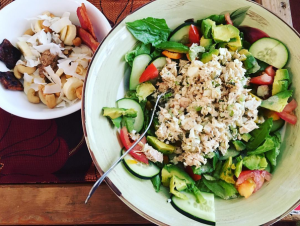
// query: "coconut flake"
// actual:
[[52, 88], [60, 24], [32, 62], [47, 23], [54, 77], [54, 49], [77, 56], [24, 38], [61, 104], [55, 38], [38, 80], [28, 78], [69, 68], [34, 86], [34, 39]]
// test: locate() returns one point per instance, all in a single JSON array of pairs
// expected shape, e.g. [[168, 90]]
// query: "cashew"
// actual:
[[50, 100], [77, 41], [31, 96], [57, 94], [79, 92], [69, 76], [63, 80], [29, 32], [59, 72], [80, 70], [44, 100], [20, 69]]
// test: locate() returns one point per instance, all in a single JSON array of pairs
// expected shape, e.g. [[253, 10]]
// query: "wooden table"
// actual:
[[64, 204]]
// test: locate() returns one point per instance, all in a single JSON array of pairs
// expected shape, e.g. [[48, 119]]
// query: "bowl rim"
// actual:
[[101, 172], [39, 114]]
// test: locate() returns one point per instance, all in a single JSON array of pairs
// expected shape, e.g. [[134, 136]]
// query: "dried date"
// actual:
[[10, 82], [9, 54]]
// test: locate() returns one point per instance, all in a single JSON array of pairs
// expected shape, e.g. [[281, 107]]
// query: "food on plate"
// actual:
[[216, 132], [51, 59]]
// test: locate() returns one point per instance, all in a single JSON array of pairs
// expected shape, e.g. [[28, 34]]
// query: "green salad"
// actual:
[[216, 133]]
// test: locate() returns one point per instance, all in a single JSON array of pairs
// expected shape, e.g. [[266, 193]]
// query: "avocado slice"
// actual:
[[250, 62], [226, 172], [235, 44], [246, 137], [238, 168], [281, 81], [206, 57], [160, 146], [206, 43], [223, 33], [177, 185], [143, 90], [114, 113], [239, 145], [206, 27], [278, 101], [170, 170]]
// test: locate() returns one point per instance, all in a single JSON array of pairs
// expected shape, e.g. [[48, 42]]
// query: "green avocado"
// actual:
[[160, 146], [239, 145], [235, 44], [246, 137], [173, 47], [114, 113], [172, 170], [238, 168], [223, 33], [206, 43], [250, 62], [278, 101], [206, 27], [281, 81], [143, 90], [226, 172], [206, 57], [177, 185]]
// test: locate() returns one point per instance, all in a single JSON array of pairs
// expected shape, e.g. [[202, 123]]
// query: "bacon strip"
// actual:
[[85, 21], [87, 39]]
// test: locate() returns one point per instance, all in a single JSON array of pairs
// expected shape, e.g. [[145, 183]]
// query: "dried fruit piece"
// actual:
[[9, 54], [85, 21], [9, 81], [87, 39]]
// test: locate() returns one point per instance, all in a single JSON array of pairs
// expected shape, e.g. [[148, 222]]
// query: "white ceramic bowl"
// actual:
[[13, 23], [274, 200]]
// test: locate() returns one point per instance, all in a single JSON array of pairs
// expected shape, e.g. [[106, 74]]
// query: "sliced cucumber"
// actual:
[[138, 67], [278, 124], [181, 33], [271, 51], [160, 62], [204, 213], [138, 169], [231, 152], [129, 103]]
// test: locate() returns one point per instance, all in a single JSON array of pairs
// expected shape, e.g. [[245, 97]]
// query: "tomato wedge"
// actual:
[[270, 71], [150, 72], [136, 152], [288, 117], [290, 106], [228, 19], [190, 172], [194, 34], [263, 79], [258, 176]]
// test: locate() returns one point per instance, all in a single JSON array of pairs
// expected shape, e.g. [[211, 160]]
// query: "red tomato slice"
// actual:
[[190, 172], [270, 71], [150, 72], [259, 176], [290, 106], [263, 79], [288, 117], [194, 35], [228, 19], [136, 152]]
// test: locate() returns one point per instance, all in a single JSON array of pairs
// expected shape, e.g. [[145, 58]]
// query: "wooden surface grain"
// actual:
[[48, 204]]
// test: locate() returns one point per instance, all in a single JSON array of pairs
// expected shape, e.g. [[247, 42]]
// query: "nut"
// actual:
[[20, 69], [29, 32], [50, 100], [59, 72], [77, 41], [31, 96], [79, 92]]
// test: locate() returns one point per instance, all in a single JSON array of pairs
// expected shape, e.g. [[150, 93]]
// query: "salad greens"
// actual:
[[251, 154]]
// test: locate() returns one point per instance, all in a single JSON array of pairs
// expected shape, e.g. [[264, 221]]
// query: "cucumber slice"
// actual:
[[129, 103], [160, 62], [139, 169], [204, 213], [181, 33], [278, 124], [271, 51], [139, 65], [230, 153]]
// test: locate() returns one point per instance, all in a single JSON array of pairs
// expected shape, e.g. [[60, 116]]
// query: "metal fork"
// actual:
[[100, 180]]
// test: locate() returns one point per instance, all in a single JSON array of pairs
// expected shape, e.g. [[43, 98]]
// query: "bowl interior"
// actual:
[[104, 86], [16, 102]]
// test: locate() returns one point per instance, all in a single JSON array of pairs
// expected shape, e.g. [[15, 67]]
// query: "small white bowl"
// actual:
[[13, 24]]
